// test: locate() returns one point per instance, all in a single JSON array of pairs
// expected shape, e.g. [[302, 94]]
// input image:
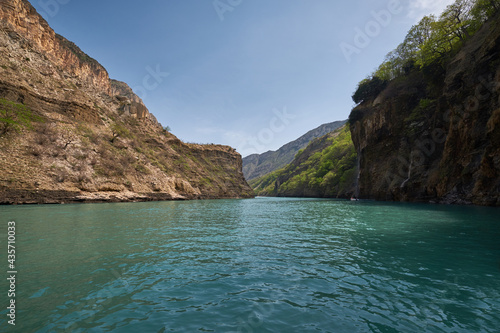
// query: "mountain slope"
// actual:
[[70, 134], [255, 166], [326, 168], [433, 135]]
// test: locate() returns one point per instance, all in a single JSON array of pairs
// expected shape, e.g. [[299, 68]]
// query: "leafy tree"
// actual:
[[454, 27], [391, 67], [118, 130], [15, 116], [369, 89], [398, 61], [485, 9], [420, 33], [440, 43], [418, 36], [429, 42], [458, 20]]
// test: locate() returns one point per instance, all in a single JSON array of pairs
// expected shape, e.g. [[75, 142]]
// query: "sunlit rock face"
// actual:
[[93, 138]]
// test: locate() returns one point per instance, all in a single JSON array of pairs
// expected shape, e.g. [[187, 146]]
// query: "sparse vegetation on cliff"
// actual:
[[98, 141], [15, 116]]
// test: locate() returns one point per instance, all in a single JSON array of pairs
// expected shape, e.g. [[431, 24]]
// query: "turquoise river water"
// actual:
[[260, 265]]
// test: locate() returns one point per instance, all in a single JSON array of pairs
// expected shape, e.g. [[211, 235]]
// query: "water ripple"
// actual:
[[263, 265]]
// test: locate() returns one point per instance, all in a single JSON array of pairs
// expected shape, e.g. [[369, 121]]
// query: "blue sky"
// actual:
[[252, 74]]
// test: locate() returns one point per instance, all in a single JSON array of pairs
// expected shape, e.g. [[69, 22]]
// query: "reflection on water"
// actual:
[[262, 265]]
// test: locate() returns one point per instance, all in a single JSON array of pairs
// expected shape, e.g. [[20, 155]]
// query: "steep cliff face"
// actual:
[[434, 135], [19, 17], [74, 135]]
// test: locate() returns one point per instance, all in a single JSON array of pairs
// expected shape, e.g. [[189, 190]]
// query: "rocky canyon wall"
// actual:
[[434, 135]]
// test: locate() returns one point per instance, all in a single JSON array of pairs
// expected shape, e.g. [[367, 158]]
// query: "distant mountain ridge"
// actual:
[[258, 165], [326, 168]]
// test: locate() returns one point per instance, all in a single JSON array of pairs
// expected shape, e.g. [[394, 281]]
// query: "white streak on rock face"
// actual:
[[409, 174]]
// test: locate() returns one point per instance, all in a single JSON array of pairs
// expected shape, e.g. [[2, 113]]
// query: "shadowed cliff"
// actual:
[[433, 134]]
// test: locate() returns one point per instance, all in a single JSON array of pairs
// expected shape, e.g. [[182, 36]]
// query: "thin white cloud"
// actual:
[[421, 8]]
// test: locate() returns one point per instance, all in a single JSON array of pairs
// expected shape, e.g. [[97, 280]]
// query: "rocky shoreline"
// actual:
[[37, 197]]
